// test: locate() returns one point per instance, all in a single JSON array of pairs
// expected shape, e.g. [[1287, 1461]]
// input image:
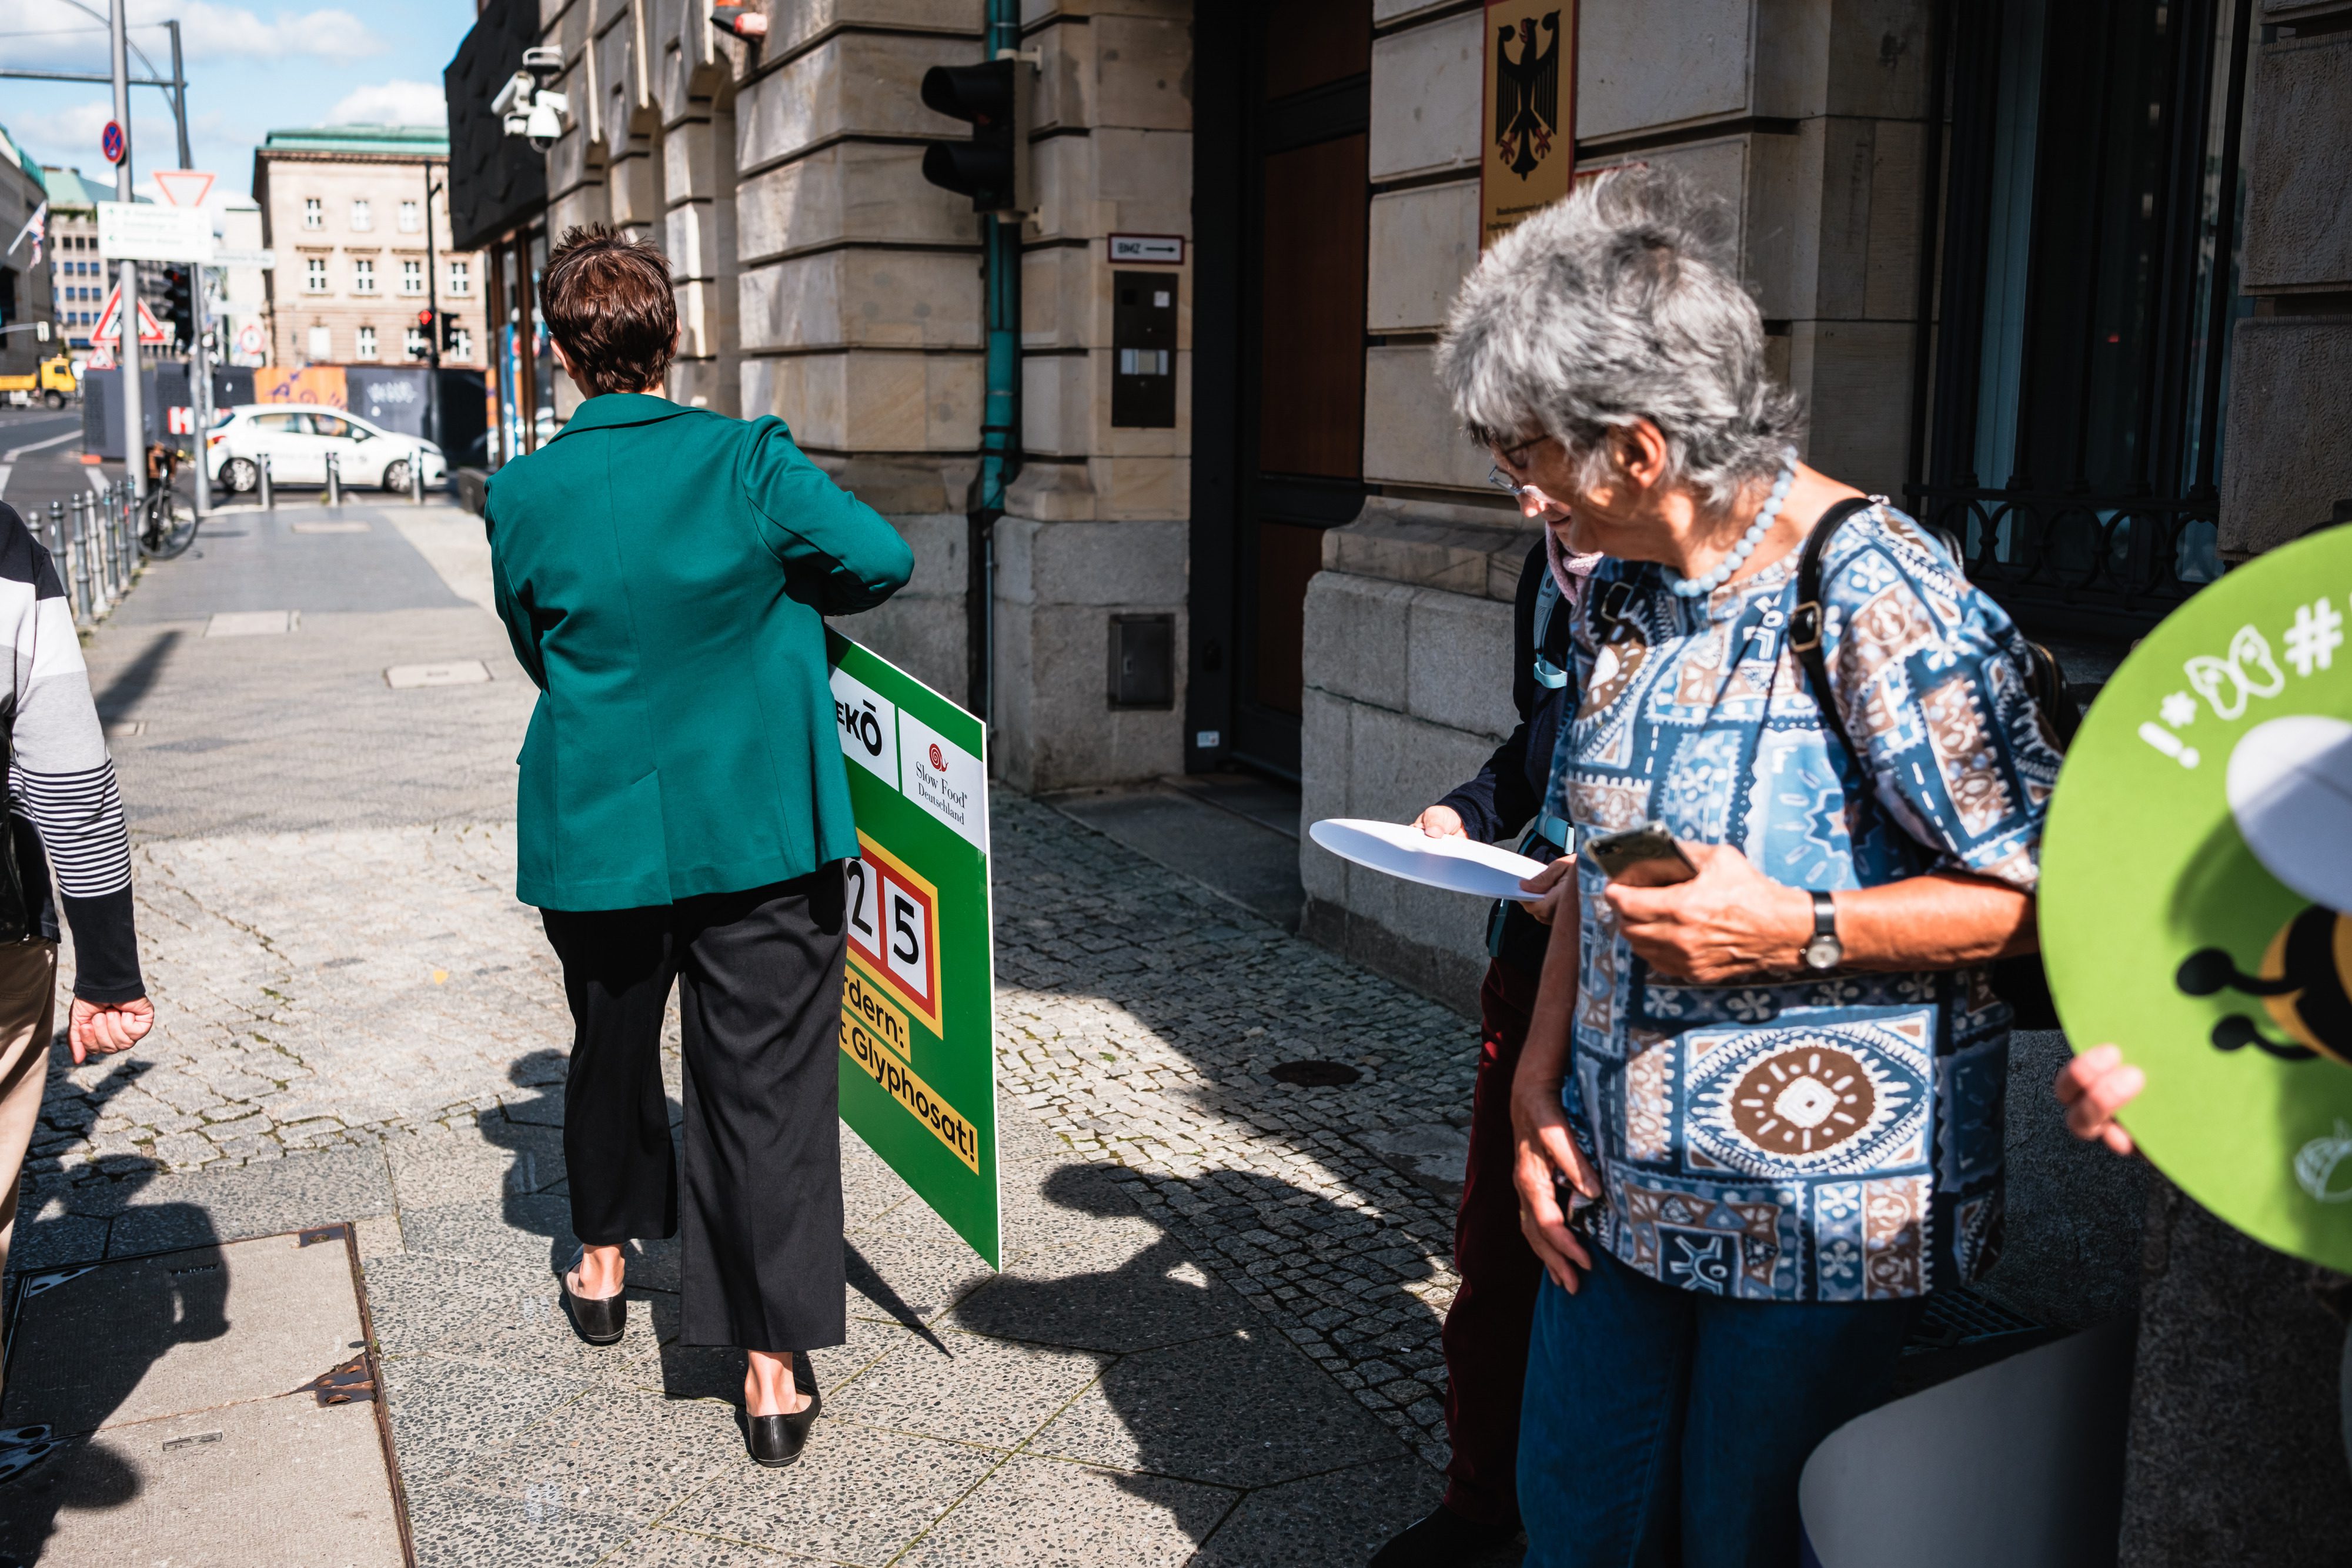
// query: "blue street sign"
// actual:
[[109, 142]]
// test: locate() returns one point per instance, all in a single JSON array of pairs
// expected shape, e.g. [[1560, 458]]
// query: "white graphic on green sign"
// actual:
[[2195, 881], [918, 1000]]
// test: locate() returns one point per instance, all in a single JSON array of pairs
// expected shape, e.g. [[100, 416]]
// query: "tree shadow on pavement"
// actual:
[[49, 1460]]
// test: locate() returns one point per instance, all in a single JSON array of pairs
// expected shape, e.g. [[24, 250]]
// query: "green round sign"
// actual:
[[2197, 864]]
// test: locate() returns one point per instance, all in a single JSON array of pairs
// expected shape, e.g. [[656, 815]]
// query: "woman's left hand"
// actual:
[[1728, 922]]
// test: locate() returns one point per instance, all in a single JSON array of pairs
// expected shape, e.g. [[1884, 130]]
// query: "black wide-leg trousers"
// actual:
[[761, 1006]]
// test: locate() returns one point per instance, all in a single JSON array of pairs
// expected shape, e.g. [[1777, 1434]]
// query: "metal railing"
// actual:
[[93, 542], [2078, 564]]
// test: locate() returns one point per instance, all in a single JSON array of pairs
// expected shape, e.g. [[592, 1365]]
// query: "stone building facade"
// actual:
[[2072, 281], [26, 291], [344, 210]]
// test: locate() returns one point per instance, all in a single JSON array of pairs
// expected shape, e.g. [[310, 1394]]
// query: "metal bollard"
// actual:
[[334, 481], [78, 547], [58, 559], [268, 500], [417, 480]]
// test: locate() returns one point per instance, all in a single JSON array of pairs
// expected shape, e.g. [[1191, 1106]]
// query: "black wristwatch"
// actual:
[[1824, 952]]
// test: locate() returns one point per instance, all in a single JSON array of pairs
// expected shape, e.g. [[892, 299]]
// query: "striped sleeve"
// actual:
[[60, 778]]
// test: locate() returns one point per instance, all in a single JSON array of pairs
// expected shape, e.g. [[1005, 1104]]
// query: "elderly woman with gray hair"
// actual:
[[1759, 1117]]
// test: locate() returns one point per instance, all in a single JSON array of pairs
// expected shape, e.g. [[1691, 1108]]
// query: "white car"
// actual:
[[298, 439]]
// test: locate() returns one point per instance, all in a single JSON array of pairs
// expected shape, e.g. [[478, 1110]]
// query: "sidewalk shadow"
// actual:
[[41, 1472], [1206, 1387]]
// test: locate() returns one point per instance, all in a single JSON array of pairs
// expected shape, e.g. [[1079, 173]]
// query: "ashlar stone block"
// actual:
[[1353, 648], [851, 84], [1856, 379], [850, 190], [1423, 243], [1631, 75], [1114, 181], [1427, 97], [1411, 435], [863, 298], [2299, 165], [2289, 443], [1458, 668], [1066, 409], [872, 399]]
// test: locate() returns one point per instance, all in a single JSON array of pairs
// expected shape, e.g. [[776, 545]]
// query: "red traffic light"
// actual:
[[424, 319]]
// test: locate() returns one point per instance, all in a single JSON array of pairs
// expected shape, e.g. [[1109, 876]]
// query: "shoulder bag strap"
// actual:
[[1805, 620]]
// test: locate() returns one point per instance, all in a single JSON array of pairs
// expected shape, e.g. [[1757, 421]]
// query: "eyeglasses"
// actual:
[[1502, 481]]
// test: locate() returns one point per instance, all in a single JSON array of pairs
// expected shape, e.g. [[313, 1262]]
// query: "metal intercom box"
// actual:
[[1143, 661], [1143, 349]]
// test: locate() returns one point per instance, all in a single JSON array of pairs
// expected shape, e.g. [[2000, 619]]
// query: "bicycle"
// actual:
[[167, 524]]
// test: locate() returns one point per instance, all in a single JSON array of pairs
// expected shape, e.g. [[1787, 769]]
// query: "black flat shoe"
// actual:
[[599, 1320], [776, 1441]]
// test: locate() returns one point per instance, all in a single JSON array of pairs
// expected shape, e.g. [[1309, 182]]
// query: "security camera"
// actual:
[[514, 95], [544, 125], [544, 61]]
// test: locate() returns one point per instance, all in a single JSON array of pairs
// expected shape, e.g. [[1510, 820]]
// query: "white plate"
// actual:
[[1399, 848]]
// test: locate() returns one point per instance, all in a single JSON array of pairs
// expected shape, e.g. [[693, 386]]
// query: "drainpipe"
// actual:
[[999, 420]]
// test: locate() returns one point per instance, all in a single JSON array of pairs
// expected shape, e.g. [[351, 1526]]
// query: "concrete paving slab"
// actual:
[[1180, 1411], [442, 1411], [675, 1549], [1105, 1294], [1244, 858], [452, 1527], [276, 1483], [184, 1330], [1336, 1520], [1042, 1513], [969, 1389], [857, 1495], [532, 1333], [909, 1278], [624, 1453]]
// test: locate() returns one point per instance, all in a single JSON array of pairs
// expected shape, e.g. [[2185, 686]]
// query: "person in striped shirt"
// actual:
[[65, 815]]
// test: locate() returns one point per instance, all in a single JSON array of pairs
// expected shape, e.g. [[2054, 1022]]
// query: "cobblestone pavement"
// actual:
[[357, 1021]]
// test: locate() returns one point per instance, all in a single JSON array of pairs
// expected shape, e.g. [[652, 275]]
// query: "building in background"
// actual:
[[241, 309], [343, 211], [78, 276], [26, 284]]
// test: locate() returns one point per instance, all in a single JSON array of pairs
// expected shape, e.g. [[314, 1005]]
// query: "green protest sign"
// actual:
[[2197, 866], [918, 1003]]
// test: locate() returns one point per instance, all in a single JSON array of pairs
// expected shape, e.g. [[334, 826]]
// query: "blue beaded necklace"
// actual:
[[1700, 587]]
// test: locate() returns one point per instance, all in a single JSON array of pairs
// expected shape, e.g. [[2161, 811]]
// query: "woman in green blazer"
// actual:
[[682, 814]]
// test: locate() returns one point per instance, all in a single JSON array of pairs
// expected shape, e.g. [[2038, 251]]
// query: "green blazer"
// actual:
[[662, 571]]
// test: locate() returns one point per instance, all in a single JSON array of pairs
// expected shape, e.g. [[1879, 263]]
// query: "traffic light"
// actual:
[[992, 168], [179, 303], [449, 331]]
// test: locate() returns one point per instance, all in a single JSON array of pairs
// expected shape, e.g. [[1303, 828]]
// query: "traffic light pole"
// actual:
[[126, 319], [200, 377], [432, 333]]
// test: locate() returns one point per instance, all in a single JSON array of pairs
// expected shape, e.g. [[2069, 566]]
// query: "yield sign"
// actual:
[[110, 326], [183, 187]]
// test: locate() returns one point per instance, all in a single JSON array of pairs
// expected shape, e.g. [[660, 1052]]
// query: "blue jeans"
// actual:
[[1666, 1427]]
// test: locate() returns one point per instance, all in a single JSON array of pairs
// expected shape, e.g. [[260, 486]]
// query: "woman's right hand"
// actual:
[[2093, 1087], [1544, 1149], [1549, 888]]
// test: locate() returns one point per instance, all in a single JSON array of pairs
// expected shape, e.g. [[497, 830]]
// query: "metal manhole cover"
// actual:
[[1316, 1074]]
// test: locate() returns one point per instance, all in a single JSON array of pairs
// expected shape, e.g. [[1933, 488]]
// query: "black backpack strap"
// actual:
[[1805, 620]]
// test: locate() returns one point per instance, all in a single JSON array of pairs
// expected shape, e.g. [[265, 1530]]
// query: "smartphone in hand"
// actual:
[[1648, 845]]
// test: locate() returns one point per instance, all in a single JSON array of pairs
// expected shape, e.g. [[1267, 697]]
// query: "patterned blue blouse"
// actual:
[[1833, 1138]]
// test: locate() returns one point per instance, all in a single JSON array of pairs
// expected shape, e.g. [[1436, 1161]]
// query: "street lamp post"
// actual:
[[126, 319]]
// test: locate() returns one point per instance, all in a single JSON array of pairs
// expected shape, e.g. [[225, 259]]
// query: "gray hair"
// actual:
[[1618, 304]]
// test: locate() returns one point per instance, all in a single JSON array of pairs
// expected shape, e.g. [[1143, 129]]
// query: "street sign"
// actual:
[[252, 342], [918, 1005], [110, 326], [109, 143], [262, 260], [183, 187], [140, 230]]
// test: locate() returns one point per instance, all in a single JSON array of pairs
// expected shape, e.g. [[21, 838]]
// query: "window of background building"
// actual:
[[363, 217], [363, 276], [313, 215], [412, 277], [314, 275], [413, 340], [322, 344], [366, 350], [461, 344], [461, 277], [409, 220]]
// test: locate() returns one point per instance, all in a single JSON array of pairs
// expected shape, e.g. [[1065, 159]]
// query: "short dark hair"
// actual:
[[608, 299]]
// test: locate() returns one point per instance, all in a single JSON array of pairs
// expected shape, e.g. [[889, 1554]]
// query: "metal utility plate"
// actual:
[[181, 1389]]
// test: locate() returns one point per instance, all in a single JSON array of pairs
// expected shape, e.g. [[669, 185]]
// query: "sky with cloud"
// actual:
[[251, 69]]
